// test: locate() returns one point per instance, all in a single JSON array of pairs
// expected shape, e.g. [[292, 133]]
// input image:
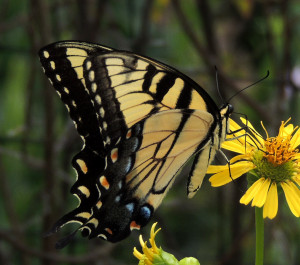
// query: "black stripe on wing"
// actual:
[[103, 96], [157, 164], [72, 91]]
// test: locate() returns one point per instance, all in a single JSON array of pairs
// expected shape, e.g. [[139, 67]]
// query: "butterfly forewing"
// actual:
[[63, 65], [141, 122]]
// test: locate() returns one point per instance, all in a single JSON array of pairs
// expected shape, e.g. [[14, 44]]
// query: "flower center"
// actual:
[[279, 150], [268, 169]]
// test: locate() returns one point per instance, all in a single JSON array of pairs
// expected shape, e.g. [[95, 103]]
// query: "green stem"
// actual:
[[259, 226]]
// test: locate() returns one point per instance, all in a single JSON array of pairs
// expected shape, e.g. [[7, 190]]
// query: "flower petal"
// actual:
[[261, 195], [153, 233], [296, 156], [271, 204], [240, 158], [237, 170], [234, 127], [256, 133], [137, 254], [233, 163], [292, 195], [296, 178], [238, 133], [216, 169], [287, 130], [295, 141], [234, 146], [252, 191], [241, 138]]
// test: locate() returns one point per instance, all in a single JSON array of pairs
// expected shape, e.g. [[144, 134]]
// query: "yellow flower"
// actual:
[[274, 163], [152, 255], [157, 256]]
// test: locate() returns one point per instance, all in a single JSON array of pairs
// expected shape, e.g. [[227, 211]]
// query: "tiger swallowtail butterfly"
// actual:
[[140, 121]]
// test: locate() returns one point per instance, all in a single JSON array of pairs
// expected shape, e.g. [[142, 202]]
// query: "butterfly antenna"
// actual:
[[217, 83], [266, 76]]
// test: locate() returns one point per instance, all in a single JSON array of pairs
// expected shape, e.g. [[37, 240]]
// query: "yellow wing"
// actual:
[[170, 138]]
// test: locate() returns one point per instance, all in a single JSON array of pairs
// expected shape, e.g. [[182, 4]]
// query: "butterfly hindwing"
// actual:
[[141, 169], [88, 166], [141, 121], [170, 138]]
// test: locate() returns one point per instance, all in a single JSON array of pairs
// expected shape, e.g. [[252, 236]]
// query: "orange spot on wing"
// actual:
[[108, 230], [134, 225], [82, 165], [128, 135], [104, 183], [99, 204], [114, 155]]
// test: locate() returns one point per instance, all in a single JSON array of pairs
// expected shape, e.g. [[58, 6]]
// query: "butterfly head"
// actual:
[[226, 110]]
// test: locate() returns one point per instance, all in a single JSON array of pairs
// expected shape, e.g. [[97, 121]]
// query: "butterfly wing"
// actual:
[[198, 171], [135, 116], [153, 151]]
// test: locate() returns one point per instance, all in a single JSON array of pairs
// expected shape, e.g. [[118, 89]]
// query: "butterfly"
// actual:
[[140, 121]]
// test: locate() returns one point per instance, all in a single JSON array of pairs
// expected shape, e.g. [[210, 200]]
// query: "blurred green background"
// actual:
[[243, 38]]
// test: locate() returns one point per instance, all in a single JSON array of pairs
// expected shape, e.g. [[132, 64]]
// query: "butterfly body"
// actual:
[[140, 121]]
